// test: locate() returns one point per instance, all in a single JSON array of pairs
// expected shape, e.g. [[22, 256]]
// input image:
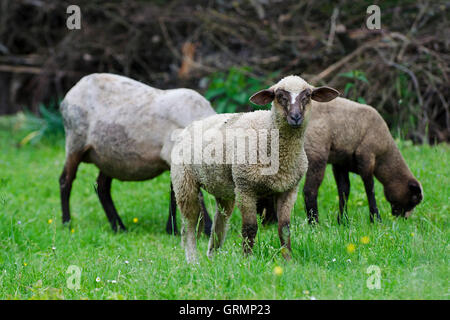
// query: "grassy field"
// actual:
[[329, 261]]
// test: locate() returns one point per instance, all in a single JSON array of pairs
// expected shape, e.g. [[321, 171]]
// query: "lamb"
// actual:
[[229, 181], [123, 127], [353, 137]]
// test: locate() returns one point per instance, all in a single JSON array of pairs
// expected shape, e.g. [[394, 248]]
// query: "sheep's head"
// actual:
[[291, 98], [403, 196]]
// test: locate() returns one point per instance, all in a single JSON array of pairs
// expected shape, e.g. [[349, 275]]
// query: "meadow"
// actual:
[[330, 261]]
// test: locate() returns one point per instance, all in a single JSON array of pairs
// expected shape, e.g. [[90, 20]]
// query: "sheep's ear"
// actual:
[[416, 191], [324, 94], [263, 97]]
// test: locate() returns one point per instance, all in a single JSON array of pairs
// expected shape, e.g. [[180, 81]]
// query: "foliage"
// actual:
[[329, 261], [48, 125], [230, 92], [146, 40], [405, 121], [358, 78]]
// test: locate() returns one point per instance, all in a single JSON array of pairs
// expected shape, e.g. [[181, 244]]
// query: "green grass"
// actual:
[[35, 254]]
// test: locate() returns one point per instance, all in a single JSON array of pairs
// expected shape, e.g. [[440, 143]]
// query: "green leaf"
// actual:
[[213, 93], [348, 86], [241, 98], [362, 78], [361, 100], [349, 75], [221, 106], [231, 108]]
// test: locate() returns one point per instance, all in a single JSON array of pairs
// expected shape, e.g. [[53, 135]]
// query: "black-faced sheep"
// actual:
[[124, 128], [229, 181]]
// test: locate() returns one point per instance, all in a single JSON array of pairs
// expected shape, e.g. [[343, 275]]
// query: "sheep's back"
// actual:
[[342, 127], [217, 178], [124, 123]]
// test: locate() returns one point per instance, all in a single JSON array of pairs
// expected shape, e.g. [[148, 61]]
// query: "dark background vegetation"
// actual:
[[228, 49]]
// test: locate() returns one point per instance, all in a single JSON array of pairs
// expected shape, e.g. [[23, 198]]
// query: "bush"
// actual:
[[49, 125], [230, 92]]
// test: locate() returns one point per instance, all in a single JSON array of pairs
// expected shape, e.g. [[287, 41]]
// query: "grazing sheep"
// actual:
[[353, 137], [123, 127], [245, 181]]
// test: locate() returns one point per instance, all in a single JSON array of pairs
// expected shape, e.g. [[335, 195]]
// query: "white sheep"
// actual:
[[209, 165], [123, 127]]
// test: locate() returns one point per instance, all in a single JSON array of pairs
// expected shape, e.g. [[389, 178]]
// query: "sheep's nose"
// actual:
[[297, 118]]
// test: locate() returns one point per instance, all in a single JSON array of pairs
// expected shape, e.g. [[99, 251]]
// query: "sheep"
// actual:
[[353, 137], [123, 127], [245, 181]]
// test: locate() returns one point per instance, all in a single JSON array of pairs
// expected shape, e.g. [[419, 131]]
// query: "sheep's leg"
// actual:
[[104, 194], [205, 220], [171, 226], [269, 204], [285, 204], [186, 192], [65, 183], [370, 192], [314, 178], [343, 186], [220, 224], [247, 205], [366, 165], [190, 220]]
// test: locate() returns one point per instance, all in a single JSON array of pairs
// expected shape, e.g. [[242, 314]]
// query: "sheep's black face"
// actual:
[[294, 105], [404, 202]]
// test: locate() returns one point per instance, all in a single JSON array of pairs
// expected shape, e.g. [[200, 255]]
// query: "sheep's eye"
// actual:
[[282, 100], [305, 101]]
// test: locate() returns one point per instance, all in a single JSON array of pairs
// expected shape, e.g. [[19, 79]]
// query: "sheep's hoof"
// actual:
[[286, 254], [66, 224], [342, 220], [191, 259], [313, 221], [377, 218], [211, 251], [173, 232], [207, 229]]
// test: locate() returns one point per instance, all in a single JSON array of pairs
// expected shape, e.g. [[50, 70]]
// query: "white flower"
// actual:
[[127, 262], [349, 260], [113, 281], [53, 248], [313, 298], [98, 279], [19, 222], [334, 260], [140, 260]]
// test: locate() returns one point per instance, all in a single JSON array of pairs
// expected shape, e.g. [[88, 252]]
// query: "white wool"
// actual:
[[241, 183], [292, 83]]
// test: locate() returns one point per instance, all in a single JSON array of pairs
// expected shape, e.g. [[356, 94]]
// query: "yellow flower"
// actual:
[[135, 220], [340, 285], [365, 240], [50, 221], [412, 234], [278, 271], [25, 264], [72, 230], [351, 248], [305, 292]]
